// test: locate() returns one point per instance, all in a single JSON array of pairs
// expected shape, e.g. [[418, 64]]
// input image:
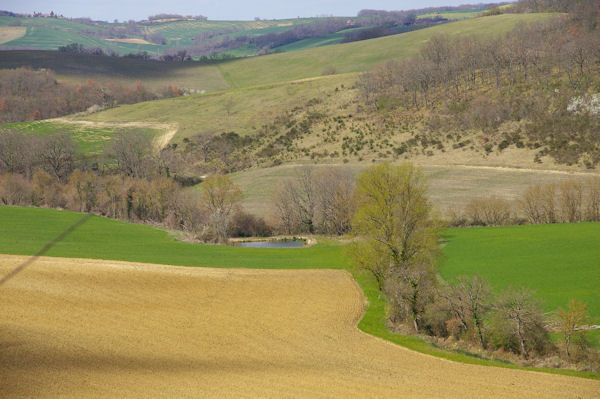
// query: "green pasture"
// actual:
[[359, 56], [24, 231], [557, 261], [90, 140]]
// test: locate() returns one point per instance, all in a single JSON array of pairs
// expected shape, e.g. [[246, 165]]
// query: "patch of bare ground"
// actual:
[[10, 33], [91, 328], [130, 40]]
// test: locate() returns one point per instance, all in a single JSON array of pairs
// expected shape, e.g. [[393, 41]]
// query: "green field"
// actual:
[[24, 231], [90, 140], [558, 261], [51, 33]]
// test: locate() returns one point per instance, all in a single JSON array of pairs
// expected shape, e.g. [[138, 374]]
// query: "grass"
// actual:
[[358, 56], [558, 261], [453, 15], [90, 140], [207, 114], [153, 74], [102, 238], [24, 231], [449, 185]]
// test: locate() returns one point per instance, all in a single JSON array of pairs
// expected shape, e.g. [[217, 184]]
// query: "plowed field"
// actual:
[[88, 328]]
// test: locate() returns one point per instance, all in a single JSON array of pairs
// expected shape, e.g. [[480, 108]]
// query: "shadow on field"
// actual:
[[31, 365]]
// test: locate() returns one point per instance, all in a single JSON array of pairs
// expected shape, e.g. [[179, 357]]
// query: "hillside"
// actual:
[[168, 33], [291, 65], [51, 33], [153, 74], [235, 110], [359, 56]]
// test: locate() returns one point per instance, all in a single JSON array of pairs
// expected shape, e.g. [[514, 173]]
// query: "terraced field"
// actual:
[[82, 328]]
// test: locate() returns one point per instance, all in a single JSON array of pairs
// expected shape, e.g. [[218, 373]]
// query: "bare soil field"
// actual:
[[90, 328], [10, 33]]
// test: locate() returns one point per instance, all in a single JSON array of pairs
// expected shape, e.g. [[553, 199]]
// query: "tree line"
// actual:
[[570, 201], [134, 183], [27, 95]]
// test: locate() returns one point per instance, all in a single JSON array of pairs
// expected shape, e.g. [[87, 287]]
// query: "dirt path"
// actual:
[[160, 141], [85, 328]]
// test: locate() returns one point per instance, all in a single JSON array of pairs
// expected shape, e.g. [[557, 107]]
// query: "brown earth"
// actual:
[[131, 40], [10, 33], [89, 328]]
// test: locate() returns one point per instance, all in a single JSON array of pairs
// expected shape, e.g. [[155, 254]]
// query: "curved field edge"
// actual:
[[24, 231]]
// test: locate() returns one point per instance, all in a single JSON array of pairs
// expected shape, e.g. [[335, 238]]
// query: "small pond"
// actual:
[[273, 244]]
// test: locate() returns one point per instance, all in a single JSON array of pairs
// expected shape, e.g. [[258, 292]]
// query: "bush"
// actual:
[[490, 211], [247, 225]]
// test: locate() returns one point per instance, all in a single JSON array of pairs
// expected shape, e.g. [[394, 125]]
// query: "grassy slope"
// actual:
[[207, 114], [126, 71], [91, 140], [559, 261], [452, 15], [109, 239], [358, 56]]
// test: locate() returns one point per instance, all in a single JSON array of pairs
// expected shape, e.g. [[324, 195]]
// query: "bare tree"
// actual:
[[490, 211], [133, 153], [469, 302], [520, 310], [570, 199], [220, 196], [58, 155]]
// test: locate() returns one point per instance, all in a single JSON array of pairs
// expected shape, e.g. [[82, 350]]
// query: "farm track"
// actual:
[[92, 328]]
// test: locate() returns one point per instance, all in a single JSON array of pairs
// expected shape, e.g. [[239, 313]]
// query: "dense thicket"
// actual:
[[536, 86], [27, 95]]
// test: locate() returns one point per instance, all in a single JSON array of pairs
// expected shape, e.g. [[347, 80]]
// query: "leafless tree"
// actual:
[[133, 153], [57, 154]]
